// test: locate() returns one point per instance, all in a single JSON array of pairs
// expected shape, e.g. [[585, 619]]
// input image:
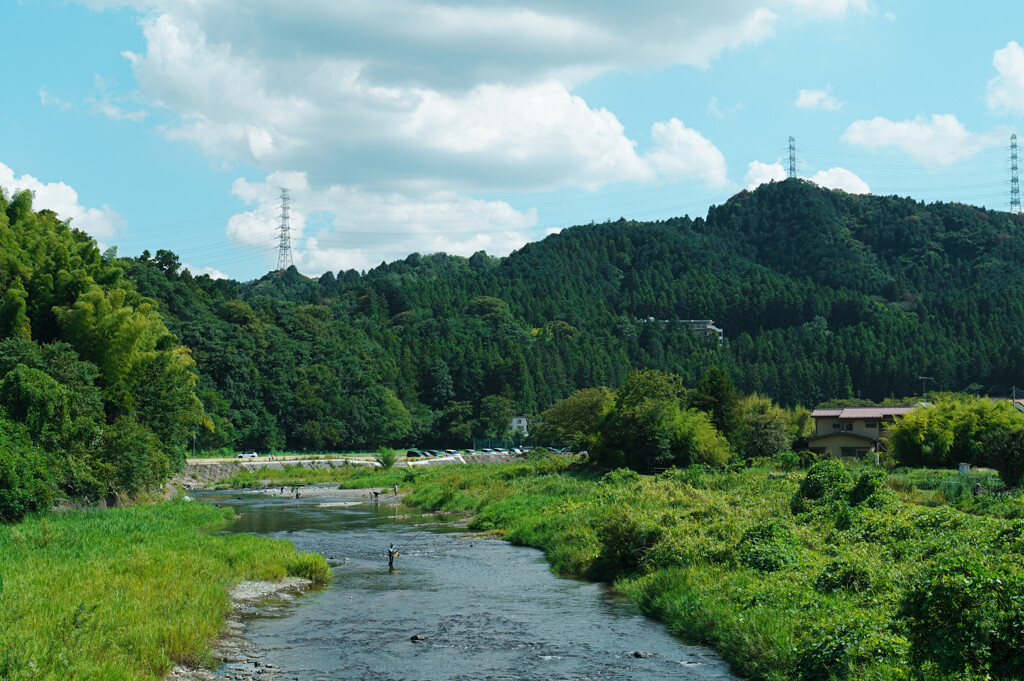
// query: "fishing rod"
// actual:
[[410, 540]]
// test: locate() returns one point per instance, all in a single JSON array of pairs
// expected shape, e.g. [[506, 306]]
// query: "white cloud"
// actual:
[[200, 271], [344, 227], [46, 99], [840, 178], [939, 141], [759, 173], [1006, 91], [829, 8], [99, 223], [683, 152], [539, 136], [821, 100], [718, 112], [410, 107]]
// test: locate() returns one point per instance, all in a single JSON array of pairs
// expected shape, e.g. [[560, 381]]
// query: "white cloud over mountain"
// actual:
[[99, 223], [936, 142], [759, 173], [413, 107]]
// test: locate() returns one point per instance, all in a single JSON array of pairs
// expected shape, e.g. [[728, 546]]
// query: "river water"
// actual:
[[487, 609]]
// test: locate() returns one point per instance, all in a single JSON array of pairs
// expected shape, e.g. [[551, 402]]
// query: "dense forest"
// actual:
[[821, 295], [96, 396]]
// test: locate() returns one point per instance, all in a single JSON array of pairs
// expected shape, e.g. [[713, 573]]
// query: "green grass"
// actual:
[[290, 474], [125, 593]]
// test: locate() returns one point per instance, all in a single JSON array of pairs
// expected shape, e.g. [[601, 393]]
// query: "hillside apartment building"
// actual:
[[852, 432]]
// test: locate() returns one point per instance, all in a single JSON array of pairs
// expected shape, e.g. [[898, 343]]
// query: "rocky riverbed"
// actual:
[[242, 661]]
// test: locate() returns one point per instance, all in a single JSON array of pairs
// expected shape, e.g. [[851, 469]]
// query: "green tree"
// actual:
[[576, 420], [717, 396], [766, 427], [955, 429]]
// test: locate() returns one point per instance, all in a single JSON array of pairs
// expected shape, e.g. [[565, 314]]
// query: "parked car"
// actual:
[[247, 454], [451, 451], [413, 453]]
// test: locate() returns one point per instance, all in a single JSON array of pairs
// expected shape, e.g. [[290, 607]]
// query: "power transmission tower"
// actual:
[[284, 238], [792, 156], [1014, 185]]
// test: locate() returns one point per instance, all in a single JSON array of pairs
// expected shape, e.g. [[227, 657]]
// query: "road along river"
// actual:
[[486, 609]]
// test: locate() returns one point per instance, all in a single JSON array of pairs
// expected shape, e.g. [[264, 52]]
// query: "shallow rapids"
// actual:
[[485, 609]]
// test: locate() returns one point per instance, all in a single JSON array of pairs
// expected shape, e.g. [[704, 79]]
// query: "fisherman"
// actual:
[[396, 489], [392, 552], [376, 496]]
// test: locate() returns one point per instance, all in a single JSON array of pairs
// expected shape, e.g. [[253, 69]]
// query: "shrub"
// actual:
[[847, 649], [1008, 458], [26, 482], [965, 614], [386, 457], [787, 461], [621, 476], [844, 574], [826, 481], [768, 546], [807, 458], [868, 483], [625, 537]]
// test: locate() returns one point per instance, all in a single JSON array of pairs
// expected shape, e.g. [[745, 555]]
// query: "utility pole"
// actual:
[[923, 379], [792, 156], [1014, 184], [284, 238]]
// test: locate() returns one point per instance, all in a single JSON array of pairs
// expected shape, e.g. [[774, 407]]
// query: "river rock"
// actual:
[[642, 653], [417, 637]]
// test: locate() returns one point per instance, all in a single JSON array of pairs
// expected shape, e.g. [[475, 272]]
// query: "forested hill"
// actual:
[[96, 396], [821, 294]]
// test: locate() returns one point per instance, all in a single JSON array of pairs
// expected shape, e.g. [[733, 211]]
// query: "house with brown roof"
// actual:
[[852, 432]]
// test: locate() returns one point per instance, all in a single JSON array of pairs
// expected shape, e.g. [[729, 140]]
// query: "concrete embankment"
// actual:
[[199, 475]]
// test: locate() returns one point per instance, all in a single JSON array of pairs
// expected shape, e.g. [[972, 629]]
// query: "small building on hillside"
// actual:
[[519, 426], [702, 327], [852, 432]]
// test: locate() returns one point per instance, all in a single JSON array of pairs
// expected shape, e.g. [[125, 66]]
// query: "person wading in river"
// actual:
[[392, 552]]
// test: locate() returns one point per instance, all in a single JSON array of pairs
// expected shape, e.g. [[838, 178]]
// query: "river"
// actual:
[[487, 609]]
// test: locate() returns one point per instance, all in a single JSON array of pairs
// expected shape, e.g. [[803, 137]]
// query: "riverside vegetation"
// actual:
[[815, 574], [126, 594]]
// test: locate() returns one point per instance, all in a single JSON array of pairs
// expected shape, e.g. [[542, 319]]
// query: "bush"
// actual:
[[1008, 459], [849, 648], [965, 614], [868, 483], [26, 482], [767, 547], [625, 539], [807, 458], [787, 461], [844, 574], [621, 476], [386, 457], [826, 481]]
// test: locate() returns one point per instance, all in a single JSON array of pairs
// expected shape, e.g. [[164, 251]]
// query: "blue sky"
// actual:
[[429, 125]]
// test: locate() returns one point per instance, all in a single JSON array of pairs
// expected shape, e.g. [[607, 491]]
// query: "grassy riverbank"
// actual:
[[824, 579], [125, 594]]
